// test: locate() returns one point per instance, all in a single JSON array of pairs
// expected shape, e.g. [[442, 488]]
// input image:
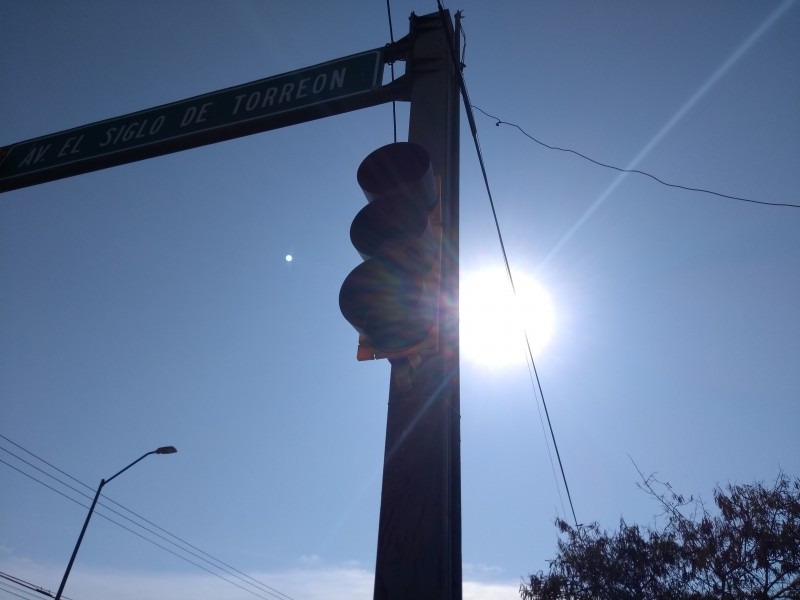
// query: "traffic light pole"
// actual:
[[419, 534]]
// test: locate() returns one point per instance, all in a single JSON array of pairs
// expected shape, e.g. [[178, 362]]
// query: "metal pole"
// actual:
[[419, 533], [162, 450], [80, 539]]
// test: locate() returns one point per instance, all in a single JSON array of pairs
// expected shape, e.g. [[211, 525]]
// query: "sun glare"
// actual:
[[493, 322]]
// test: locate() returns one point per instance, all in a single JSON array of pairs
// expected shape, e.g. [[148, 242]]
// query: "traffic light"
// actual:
[[392, 298]]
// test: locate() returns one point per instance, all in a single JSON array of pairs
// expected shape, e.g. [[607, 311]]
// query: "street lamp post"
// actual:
[[162, 450]]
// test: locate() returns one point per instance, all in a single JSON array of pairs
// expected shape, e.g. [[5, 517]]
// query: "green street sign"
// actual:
[[293, 97]]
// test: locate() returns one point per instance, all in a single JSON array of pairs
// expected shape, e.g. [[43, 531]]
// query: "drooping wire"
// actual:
[[499, 122], [391, 67], [473, 128], [225, 568]]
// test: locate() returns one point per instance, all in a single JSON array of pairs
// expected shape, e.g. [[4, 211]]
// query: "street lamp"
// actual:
[[162, 450]]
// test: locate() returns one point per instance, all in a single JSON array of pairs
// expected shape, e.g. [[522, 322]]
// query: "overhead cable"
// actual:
[[473, 127], [499, 122], [225, 568]]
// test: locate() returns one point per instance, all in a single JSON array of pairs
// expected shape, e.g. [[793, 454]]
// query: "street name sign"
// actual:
[[328, 88]]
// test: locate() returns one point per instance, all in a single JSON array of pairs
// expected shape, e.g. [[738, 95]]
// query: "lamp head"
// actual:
[[166, 450]]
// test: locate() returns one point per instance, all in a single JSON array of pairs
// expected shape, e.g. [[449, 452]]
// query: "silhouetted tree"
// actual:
[[748, 549]]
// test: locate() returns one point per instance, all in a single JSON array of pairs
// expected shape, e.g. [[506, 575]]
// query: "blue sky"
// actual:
[[151, 304]]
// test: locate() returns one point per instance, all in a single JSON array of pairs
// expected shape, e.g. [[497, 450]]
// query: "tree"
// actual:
[[748, 549]]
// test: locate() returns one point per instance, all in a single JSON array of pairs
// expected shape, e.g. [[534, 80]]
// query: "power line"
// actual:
[[532, 371], [471, 118], [11, 591], [226, 568], [27, 587], [274, 593], [499, 122], [391, 66]]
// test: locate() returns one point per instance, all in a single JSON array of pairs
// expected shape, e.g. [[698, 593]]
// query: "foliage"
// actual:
[[748, 549]]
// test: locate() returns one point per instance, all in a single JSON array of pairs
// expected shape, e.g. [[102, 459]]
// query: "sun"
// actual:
[[493, 321]]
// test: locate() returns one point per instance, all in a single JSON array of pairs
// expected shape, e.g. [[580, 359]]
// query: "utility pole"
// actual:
[[419, 534]]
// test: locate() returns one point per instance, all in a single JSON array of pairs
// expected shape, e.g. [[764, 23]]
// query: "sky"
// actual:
[[151, 304]]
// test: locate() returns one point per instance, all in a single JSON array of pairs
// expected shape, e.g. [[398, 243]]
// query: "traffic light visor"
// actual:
[[402, 172]]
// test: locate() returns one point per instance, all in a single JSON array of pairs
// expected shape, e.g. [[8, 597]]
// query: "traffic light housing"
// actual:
[[392, 298]]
